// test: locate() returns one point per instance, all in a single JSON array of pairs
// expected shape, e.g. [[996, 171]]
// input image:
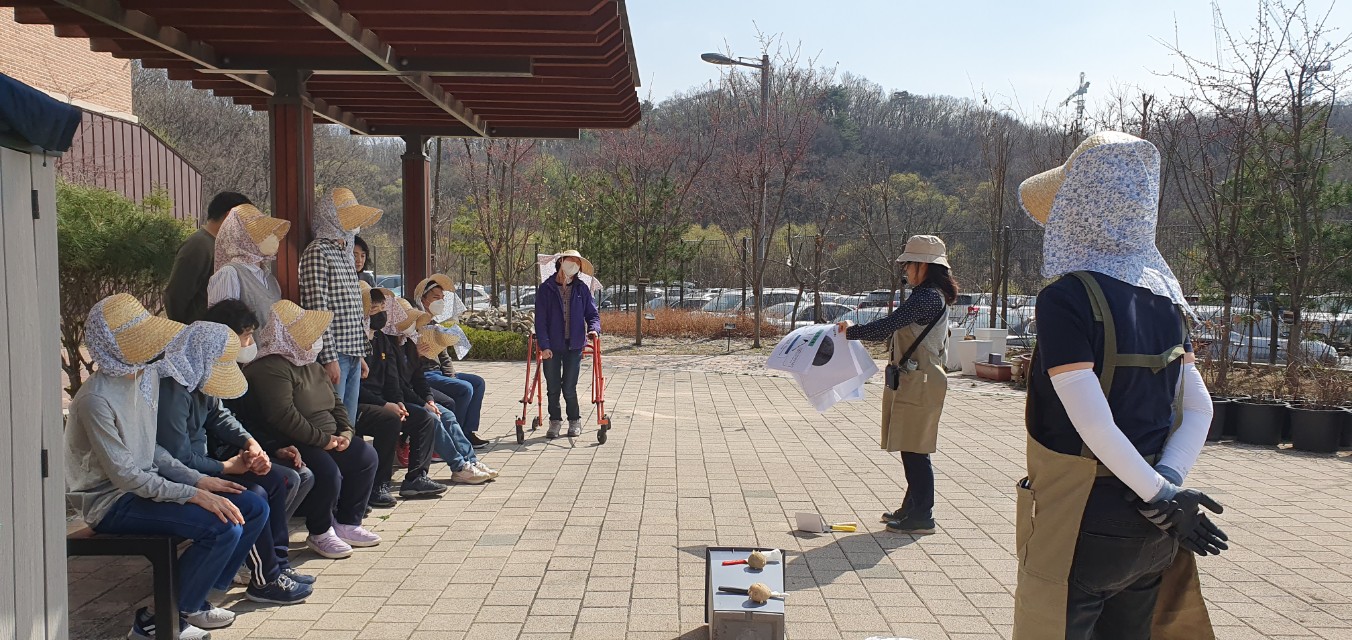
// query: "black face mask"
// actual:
[[378, 321]]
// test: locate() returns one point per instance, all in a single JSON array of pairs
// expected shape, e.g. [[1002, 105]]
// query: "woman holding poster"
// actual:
[[916, 379]]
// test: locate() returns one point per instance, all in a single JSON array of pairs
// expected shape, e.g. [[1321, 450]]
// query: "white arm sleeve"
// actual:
[[1082, 396], [223, 285], [1183, 447]]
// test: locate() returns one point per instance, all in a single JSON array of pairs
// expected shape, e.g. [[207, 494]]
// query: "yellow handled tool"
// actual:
[[845, 526]]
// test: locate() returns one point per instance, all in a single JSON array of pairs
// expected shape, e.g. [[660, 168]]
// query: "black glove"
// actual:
[[1183, 518]]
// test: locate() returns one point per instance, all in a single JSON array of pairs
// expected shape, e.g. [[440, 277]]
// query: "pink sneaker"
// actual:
[[328, 545], [356, 535]]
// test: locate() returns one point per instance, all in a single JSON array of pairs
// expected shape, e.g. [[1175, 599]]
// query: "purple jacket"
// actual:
[[549, 316]]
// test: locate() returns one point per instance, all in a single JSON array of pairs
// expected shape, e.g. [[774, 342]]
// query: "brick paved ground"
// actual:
[[585, 541]]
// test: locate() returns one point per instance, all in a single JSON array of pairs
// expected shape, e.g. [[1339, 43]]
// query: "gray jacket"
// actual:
[[111, 450]]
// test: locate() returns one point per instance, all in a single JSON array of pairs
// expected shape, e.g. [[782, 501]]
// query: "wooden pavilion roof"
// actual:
[[493, 68]]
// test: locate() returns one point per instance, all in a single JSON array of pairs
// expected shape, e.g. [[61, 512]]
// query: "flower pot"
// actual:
[[998, 339], [1260, 422], [969, 351], [1221, 411], [1230, 429], [1316, 429], [1347, 428], [996, 372], [955, 337]]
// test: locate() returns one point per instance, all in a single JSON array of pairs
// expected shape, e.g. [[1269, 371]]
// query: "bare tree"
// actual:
[[505, 191]]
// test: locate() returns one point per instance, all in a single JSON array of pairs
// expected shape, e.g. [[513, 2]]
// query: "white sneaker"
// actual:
[[329, 545], [243, 577], [213, 618], [470, 475], [356, 535], [492, 473]]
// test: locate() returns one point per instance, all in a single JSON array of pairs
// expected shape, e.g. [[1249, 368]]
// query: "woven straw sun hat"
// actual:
[[140, 336], [260, 225], [433, 340], [1037, 193], [434, 280], [410, 319], [304, 326], [928, 249], [226, 380], [587, 267], [350, 214]]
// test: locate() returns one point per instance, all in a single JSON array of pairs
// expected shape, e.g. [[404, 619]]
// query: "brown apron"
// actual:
[[1051, 502], [911, 413]]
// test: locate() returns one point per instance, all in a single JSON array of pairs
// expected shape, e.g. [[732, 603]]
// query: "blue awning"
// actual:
[[35, 117]]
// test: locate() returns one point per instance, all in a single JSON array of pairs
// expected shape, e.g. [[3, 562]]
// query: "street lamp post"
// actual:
[[762, 239]]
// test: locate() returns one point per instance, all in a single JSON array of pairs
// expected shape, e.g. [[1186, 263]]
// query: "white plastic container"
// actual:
[[998, 339], [955, 336], [968, 351]]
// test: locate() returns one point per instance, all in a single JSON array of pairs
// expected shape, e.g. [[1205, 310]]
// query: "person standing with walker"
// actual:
[[916, 379], [565, 319], [1117, 414]]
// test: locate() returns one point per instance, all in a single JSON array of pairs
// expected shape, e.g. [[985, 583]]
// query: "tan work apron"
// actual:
[[1051, 503], [911, 413]]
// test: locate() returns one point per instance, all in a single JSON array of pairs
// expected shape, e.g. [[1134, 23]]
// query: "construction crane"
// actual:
[[1078, 97]]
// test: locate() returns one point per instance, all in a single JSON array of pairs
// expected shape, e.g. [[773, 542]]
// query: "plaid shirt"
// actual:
[[328, 282]]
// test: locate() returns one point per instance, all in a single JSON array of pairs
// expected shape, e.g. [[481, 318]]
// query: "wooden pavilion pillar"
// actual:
[[291, 121], [417, 213]]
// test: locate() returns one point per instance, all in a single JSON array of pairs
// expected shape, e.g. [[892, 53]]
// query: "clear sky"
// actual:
[[1029, 51]]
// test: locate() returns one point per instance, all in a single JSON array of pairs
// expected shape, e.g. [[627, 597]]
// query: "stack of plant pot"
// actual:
[[1268, 421]]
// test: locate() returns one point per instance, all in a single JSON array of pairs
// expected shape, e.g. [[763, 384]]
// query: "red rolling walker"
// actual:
[[535, 390]]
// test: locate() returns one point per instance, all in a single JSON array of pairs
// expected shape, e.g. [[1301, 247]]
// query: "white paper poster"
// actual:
[[826, 366]]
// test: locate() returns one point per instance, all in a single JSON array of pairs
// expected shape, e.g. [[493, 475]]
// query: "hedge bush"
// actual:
[[495, 345]]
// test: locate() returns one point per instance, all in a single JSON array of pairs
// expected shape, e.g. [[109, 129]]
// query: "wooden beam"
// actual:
[[365, 41], [143, 27], [492, 67], [461, 131]]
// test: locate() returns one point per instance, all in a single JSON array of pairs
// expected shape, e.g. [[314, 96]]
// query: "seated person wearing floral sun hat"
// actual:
[[389, 407], [199, 370], [121, 482], [425, 340], [435, 295], [292, 403]]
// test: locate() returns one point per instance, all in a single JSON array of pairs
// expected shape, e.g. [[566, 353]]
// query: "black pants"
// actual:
[[342, 485], [268, 556], [1115, 578], [384, 427], [561, 374], [919, 483]]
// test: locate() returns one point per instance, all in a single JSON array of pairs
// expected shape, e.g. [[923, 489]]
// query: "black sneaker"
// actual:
[[913, 524], [899, 514], [282, 591], [381, 498], [421, 487], [476, 441], [297, 576]]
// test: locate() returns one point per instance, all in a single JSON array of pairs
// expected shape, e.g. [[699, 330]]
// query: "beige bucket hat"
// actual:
[[587, 267], [352, 215], [433, 340], [928, 249]]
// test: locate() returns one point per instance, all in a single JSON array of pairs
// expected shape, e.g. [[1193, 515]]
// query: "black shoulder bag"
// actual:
[[893, 372]]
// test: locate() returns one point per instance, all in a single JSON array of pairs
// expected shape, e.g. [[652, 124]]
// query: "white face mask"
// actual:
[[247, 354], [570, 268], [270, 246], [318, 346], [437, 307]]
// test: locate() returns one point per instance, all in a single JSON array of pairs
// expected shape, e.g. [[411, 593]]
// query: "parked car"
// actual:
[[476, 297], [779, 314], [395, 281], [881, 298], [1242, 350], [690, 302], [850, 301], [865, 315]]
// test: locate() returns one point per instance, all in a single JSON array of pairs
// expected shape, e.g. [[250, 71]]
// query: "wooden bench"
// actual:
[[161, 551]]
